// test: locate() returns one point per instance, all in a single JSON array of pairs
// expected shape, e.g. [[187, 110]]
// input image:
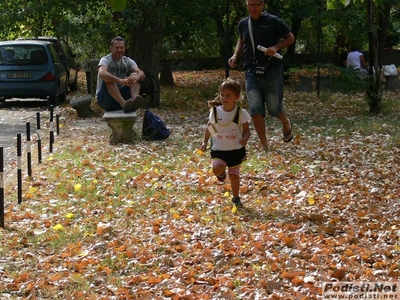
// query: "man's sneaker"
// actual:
[[221, 178], [236, 201], [128, 105], [138, 102]]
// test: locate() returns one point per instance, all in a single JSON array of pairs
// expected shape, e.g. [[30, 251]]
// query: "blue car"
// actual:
[[31, 69]]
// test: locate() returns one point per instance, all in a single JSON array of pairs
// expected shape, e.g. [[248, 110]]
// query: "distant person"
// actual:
[[118, 80], [263, 71], [356, 60], [228, 128]]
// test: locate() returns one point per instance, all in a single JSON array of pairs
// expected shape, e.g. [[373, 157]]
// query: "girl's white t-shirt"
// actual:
[[228, 132]]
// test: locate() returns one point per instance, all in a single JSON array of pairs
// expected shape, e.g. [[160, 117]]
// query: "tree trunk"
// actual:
[[296, 25], [166, 78], [337, 51], [383, 27], [374, 93], [144, 48]]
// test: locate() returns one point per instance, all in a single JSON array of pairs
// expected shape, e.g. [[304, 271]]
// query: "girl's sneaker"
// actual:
[[236, 201]]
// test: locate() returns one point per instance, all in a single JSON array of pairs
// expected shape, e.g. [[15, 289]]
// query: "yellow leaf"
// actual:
[[311, 200], [69, 216], [33, 190], [83, 253], [227, 194], [206, 219], [77, 187], [234, 209], [94, 181], [199, 152], [76, 277], [58, 227]]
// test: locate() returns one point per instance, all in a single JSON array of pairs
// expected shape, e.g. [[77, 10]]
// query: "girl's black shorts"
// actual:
[[232, 158]]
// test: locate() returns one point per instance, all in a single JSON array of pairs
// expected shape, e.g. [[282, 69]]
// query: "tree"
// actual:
[[378, 14]]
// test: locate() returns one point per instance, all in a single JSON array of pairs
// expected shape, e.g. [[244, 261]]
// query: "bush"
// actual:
[[348, 80]]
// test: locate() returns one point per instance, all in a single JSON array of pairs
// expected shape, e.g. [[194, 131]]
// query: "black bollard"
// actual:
[[1, 187], [51, 128], [39, 142], [19, 167], [57, 116], [48, 103], [28, 148]]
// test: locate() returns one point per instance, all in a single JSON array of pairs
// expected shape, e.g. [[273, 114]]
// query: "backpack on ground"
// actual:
[[154, 128]]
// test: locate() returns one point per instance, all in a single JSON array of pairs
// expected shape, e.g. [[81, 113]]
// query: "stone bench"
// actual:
[[121, 125], [324, 82], [392, 82], [304, 84], [82, 106]]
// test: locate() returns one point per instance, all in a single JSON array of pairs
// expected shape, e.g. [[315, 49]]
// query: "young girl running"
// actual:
[[228, 127]]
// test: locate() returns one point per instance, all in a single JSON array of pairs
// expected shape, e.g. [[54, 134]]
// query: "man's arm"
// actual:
[[284, 43], [107, 76], [137, 75], [236, 55]]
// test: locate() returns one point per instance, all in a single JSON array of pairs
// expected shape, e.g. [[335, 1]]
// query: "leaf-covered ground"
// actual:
[[149, 221]]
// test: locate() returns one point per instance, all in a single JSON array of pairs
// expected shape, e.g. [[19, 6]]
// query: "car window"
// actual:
[[22, 55], [66, 48], [54, 54]]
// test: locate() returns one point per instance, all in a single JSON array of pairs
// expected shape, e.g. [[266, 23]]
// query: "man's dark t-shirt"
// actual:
[[267, 31]]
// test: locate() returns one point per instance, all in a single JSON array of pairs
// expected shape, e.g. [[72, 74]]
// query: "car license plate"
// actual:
[[19, 75]]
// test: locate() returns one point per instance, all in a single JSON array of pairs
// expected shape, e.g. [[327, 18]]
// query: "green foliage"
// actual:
[[118, 5], [189, 29], [374, 102], [347, 80]]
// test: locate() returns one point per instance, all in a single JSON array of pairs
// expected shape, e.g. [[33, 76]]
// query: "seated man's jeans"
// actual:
[[108, 103]]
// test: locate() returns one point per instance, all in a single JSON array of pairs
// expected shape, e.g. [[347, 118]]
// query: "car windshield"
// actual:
[[22, 55]]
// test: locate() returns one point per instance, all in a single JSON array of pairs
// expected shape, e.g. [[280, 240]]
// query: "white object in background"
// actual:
[[263, 49], [389, 70]]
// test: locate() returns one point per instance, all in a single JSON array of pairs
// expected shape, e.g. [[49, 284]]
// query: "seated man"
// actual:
[[118, 80]]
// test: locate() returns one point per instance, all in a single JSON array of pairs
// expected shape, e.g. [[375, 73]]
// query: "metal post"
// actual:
[[57, 116], [28, 148], [1, 187], [227, 40], [19, 167], [51, 129], [39, 142]]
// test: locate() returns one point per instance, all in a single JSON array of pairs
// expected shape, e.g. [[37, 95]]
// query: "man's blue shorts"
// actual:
[[108, 103], [265, 92]]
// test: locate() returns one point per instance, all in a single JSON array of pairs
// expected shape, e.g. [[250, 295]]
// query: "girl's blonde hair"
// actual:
[[229, 84]]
